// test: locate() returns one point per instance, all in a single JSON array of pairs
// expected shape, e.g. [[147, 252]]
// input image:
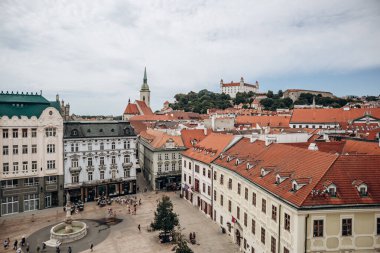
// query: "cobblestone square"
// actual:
[[124, 236]]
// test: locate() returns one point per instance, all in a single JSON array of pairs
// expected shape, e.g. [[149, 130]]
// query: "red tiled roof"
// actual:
[[143, 108], [188, 135], [344, 173], [215, 141], [131, 109], [305, 167], [343, 147], [158, 138], [361, 147], [272, 121], [138, 126], [152, 117], [334, 115]]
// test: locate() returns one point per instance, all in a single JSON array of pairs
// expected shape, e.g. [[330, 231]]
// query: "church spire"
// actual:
[[145, 86]]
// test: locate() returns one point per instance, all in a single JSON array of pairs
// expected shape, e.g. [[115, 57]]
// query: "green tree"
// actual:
[[270, 94], [182, 246], [164, 217]]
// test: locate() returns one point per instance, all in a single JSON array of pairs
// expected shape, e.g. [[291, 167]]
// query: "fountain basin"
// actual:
[[58, 232]]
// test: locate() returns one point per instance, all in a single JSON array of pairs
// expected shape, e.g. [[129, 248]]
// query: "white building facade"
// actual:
[[233, 88], [160, 159], [31, 155], [99, 159]]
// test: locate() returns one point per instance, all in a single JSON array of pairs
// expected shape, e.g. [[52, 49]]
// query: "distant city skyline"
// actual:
[[93, 54]]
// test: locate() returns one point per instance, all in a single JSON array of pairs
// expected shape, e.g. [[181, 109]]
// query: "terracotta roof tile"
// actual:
[[272, 121], [158, 138], [215, 141], [335, 115], [143, 108], [306, 167], [345, 173], [131, 109], [189, 135]]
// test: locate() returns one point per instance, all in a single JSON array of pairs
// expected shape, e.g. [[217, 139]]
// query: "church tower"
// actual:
[[145, 92]]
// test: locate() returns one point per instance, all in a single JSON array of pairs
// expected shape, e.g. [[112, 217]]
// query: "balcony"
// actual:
[[127, 165], [102, 167], [169, 173], [90, 168], [75, 169]]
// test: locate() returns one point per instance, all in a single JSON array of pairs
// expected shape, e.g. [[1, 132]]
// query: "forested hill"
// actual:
[[201, 101]]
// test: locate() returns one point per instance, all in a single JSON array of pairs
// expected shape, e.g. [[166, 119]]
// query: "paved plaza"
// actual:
[[124, 236]]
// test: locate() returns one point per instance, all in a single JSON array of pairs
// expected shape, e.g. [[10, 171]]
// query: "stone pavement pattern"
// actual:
[[125, 237]]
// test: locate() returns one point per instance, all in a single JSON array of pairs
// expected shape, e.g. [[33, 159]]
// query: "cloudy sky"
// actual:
[[93, 52]]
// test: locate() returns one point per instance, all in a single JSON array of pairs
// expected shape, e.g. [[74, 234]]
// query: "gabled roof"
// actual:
[[189, 135], [343, 173], [143, 108], [157, 139], [131, 109], [306, 167], [333, 115], [272, 121], [210, 147], [343, 147]]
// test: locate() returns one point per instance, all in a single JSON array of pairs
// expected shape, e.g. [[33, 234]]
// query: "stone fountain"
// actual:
[[69, 230]]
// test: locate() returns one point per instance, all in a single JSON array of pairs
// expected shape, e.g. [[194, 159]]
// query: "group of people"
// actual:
[[130, 202], [16, 245]]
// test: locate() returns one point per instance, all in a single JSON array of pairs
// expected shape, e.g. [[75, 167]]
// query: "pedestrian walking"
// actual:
[[27, 247], [15, 244], [139, 228], [5, 243], [23, 241], [69, 249], [92, 247], [19, 250]]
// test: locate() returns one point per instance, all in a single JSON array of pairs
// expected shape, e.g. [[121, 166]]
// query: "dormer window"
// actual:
[[237, 162], [363, 190], [332, 191], [230, 158], [361, 187], [74, 132], [249, 166], [299, 183], [281, 177], [264, 172]]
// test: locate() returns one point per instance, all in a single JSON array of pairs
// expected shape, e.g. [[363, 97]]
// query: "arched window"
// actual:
[[113, 145]]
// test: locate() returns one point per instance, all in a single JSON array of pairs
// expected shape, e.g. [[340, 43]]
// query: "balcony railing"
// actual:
[[75, 169], [127, 165], [169, 173]]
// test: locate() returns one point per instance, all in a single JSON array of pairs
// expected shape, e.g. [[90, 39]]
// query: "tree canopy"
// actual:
[[164, 217], [200, 102]]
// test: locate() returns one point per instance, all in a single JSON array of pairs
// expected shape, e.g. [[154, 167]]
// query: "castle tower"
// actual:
[[145, 92]]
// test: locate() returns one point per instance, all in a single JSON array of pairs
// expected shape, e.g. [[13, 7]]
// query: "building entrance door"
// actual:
[[238, 237], [48, 200]]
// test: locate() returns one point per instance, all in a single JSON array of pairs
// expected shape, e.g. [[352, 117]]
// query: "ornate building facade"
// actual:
[[31, 153], [99, 159]]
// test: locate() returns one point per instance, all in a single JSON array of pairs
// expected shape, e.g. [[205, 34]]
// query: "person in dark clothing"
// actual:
[[58, 250], [69, 249], [15, 245], [139, 228], [91, 247], [23, 241]]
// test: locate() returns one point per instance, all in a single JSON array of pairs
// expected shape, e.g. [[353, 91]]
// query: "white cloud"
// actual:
[[98, 49]]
